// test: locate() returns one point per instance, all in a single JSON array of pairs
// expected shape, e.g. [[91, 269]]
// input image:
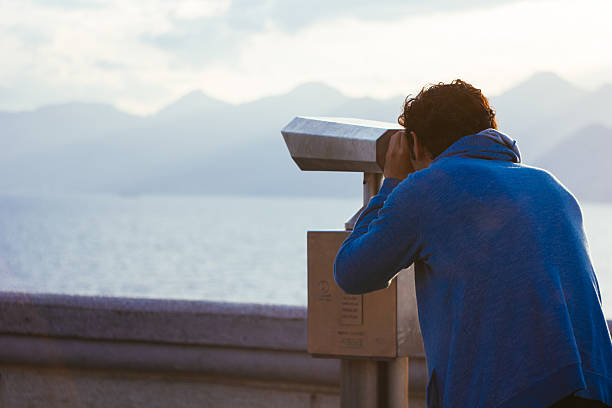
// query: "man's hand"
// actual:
[[397, 159]]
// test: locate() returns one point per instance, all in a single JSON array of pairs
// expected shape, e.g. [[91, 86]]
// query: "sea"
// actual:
[[242, 249]]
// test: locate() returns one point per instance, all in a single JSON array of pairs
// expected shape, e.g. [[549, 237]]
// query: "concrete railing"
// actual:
[[69, 351], [75, 351]]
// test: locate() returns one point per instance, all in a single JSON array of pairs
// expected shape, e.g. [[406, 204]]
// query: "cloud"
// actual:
[[30, 36], [109, 65], [70, 4], [142, 55], [292, 15], [198, 41], [201, 39]]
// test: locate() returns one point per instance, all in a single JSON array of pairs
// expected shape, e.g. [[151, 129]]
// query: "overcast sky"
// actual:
[[140, 55]]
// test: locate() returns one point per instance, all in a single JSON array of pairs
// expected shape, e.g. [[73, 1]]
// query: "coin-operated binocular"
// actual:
[[381, 324]]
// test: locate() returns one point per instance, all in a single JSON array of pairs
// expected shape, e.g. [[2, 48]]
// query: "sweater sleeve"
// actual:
[[383, 242]]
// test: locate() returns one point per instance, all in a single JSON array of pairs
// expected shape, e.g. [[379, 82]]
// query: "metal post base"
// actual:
[[371, 383]]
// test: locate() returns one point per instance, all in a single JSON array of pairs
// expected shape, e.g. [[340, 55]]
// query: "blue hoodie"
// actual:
[[508, 301]]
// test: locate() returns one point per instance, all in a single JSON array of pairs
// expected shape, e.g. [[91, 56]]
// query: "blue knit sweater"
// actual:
[[508, 301]]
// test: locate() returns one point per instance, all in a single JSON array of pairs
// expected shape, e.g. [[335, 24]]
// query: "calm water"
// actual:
[[235, 249]]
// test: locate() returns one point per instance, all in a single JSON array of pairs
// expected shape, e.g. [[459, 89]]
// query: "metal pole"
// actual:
[[366, 382], [371, 185]]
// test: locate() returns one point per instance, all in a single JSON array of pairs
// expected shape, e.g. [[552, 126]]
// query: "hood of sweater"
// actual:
[[489, 144]]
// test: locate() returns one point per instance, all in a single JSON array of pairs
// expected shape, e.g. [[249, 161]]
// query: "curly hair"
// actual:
[[443, 113]]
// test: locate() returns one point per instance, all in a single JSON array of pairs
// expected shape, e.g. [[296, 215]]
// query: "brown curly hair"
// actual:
[[443, 113]]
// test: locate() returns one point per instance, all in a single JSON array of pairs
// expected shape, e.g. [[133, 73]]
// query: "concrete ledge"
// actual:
[[71, 351], [261, 364], [154, 320], [237, 344], [53, 387], [264, 342]]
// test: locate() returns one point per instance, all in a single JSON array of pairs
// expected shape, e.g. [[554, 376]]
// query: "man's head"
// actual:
[[440, 115]]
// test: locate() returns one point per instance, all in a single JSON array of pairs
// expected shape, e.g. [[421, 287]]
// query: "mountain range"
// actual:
[[200, 145]]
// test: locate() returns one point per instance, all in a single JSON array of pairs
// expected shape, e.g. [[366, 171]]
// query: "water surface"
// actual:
[[226, 248]]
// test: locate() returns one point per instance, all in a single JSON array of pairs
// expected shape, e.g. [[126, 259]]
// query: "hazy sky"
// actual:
[[140, 55]]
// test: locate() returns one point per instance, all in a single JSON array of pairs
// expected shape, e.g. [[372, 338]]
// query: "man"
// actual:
[[508, 302]]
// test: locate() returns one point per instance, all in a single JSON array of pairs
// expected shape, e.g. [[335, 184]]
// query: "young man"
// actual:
[[508, 302]]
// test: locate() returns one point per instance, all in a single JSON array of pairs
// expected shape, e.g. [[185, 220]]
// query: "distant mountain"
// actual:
[[193, 103], [386, 110], [200, 145], [196, 145], [542, 93], [530, 109], [582, 162], [545, 109], [255, 159], [51, 127]]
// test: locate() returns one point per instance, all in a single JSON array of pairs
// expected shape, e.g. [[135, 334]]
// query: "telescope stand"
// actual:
[[374, 383], [367, 382]]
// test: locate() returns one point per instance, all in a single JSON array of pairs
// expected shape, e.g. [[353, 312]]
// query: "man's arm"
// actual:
[[384, 241]]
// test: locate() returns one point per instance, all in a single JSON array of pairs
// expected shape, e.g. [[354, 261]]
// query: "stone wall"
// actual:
[[78, 351], [81, 351]]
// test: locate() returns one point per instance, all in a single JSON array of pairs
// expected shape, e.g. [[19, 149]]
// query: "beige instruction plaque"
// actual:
[[379, 324]]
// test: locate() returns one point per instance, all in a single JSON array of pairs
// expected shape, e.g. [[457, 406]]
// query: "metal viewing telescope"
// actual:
[[373, 334], [341, 144]]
